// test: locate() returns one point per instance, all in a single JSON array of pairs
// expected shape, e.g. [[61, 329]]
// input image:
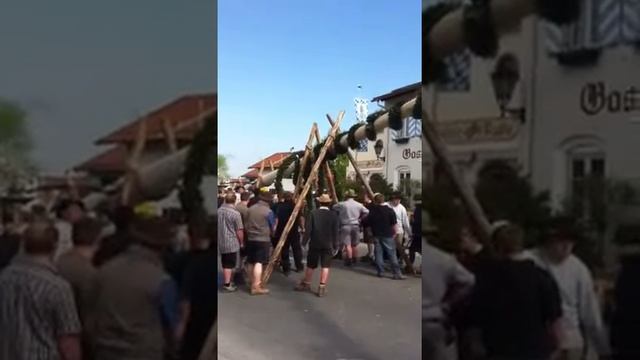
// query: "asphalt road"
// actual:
[[361, 318]]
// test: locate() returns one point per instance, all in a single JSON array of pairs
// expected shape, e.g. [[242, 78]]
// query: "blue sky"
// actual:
[[83, 68], [284, 64]]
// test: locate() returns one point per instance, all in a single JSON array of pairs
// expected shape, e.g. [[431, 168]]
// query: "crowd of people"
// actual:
[[109, 284], [252, 221], [503, 301]]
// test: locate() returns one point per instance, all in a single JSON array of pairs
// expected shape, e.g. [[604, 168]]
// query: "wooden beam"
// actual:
[[305, 159], [300, 201], [169, 135], [328, 175], [359, 175], [134, 161], [438, 147]]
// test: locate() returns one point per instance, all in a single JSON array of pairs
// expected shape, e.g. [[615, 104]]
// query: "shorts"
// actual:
[[350, 234], [323, 256], [229, 260], [258, 252]]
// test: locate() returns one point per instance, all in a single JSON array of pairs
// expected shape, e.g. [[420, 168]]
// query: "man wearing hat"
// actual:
[[582, 320], [321, 234], [351, 214], [259, 228], [135, 296]]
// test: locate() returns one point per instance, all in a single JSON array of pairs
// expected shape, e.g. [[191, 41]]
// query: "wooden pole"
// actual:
[[441, 153], [300, 201], [258, 183], [305, 159], [169, 135], [447, 36], [359, 175], [328, 175], [133, 162]]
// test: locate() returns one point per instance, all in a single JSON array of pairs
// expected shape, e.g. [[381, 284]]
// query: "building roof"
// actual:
[[113, 160], [180, 113], [275, 159], [398, 92]]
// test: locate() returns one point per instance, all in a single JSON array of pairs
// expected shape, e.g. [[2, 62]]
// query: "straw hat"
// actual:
[[324, 199], [350, 193]]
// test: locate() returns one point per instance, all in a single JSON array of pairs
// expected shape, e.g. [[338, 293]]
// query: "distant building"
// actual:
[[180, 114], [401, 155], [271, 163]]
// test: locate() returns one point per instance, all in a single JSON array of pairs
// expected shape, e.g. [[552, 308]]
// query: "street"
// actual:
[[361, 318]]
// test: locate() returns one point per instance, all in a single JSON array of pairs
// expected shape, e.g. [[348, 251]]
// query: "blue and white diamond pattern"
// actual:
[[602, 23], [458, 72]]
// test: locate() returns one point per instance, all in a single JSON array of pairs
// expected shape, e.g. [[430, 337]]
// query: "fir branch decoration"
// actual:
[[280, 173], [395, 117], [373, 116], [296, 170], [479, 30], [559, 12], [340, 149], [197, 163], [351, 137], [433, 70]]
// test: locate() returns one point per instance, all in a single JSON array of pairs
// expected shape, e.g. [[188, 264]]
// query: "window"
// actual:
[[587, 182], [404, 181]]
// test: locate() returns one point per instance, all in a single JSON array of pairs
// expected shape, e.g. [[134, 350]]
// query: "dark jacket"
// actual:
[[381, 220], [625, 325], [322, 229]]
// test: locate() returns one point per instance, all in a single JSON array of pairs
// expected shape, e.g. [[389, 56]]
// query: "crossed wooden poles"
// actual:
[[303, 187]]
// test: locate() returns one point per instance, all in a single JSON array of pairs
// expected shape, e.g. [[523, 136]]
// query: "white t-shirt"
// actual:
[[65, 241]]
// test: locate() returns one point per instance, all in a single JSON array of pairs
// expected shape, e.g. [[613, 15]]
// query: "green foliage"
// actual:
[[223, 167], [379, 184], [505, 195], [339, 168], [445, 212], [196, 166], [15, 145]]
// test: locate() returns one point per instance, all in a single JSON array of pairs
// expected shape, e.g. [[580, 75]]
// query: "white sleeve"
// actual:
[[590, 316]]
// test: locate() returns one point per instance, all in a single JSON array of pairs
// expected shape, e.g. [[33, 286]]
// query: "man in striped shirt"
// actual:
[[230, 238], [38, 316]]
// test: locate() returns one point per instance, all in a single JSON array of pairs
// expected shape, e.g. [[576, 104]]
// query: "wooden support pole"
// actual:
[[438, 147], [328, 175], [300, 201], [359, 175], [305, 159], [134, 161], [169, 135]]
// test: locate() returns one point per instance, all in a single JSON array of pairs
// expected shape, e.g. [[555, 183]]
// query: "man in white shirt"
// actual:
[[444, 284], [68, 213], [582, 322], [404, 226]]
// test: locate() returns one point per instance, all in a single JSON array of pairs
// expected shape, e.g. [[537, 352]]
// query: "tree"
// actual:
[[15, 145], [506, 195], [380, 185], [339, 168], [223, 167]]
